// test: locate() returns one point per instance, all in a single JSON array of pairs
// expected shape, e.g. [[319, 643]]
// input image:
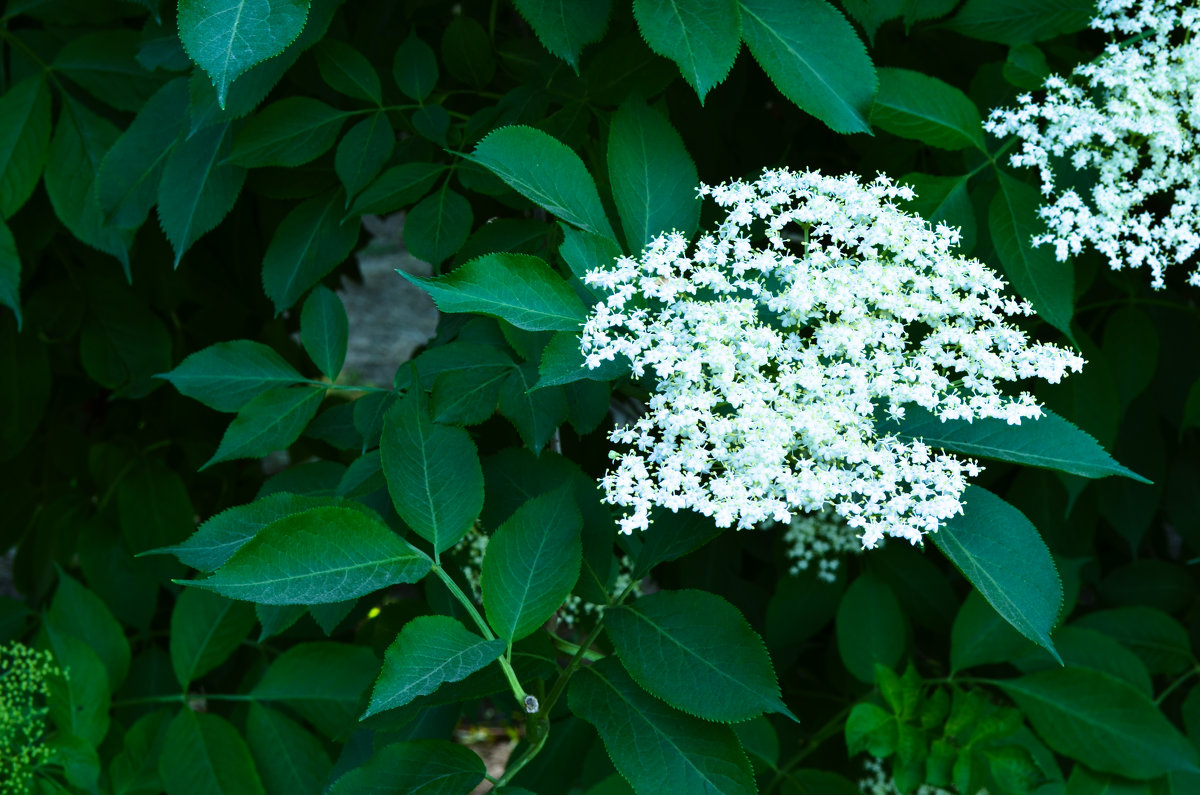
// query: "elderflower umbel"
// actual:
[[769, 360], [1130, 123], [24, 687], [820, 538]]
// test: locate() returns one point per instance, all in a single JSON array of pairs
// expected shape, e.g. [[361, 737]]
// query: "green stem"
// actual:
[[346, 387], [523, 698], [831, 727], [1175, 685], [529, 753], [567, 647]]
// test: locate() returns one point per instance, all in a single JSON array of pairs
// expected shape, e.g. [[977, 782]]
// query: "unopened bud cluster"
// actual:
[[771, 343]]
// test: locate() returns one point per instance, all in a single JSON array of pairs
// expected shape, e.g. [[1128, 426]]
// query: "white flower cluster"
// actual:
[[820, 538], [769, 360], [1128, 124]]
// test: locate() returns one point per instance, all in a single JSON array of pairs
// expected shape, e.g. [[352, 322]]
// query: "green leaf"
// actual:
[[980, 636], [467, 51], [290, 132], [1000, 552], [814, 57], [269, 422], [325, 330], [563, 363], [433, 474], [702, 37], [429, 651], [227, 37], [1156, 638], [134, 770], [319, 556], [78, 701], [1169, 587], [1087, 648], [81, 139], [10, 273], [654, 747], [228, 375], [22, 401], [535, 414], [198, 188], [532, 563], [77, 611], [871, 628], [127, 185], [205, 630], [914, 105], [1026, 67], [944, 200], [105, 63], [1049, 442], [519, 288], [289, 759], [544, 170], [1101, 721], [653, 177], [324, 682], [696, 652], [468, 396], [1020, 21], [438, 226], [428, 767], [122, 343], [584, 252], [1049, 285], [347, 71], [153, 506], [872, 729], [415, 68], [396, 188], [362, 152], [565, 26], [309, 242], [24, 140], [204, 753]]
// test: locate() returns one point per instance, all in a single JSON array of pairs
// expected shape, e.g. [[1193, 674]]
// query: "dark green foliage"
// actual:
[[263, 578]]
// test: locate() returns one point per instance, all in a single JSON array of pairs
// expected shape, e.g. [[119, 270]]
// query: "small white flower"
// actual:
[[770, 358], [1128, 124]]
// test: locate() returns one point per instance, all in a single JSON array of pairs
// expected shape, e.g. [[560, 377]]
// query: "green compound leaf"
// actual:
[[652, 175], [433, 473], [428, 652], [565, 26], [204, 753], [362, 152], [1050, 442], [703, 37], [348, 71], [696, 652], [227, 37], [1049, 285], [396, 188], [1021, 21], [309, 242], [324, 682], [24, 140], [269, 422], [428, 767], [871, 627], [80, 612], [319, 556], [290, 132], [656, 748], [228, 375], [289, 758], [1000, 552], [127, 185], [1102, 722], [814, 57], [438, 226], [197, 189], [519, 288], [325, 330], [544, 170], [914, 105], [205, 629], [415, 68], [532, 563]]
